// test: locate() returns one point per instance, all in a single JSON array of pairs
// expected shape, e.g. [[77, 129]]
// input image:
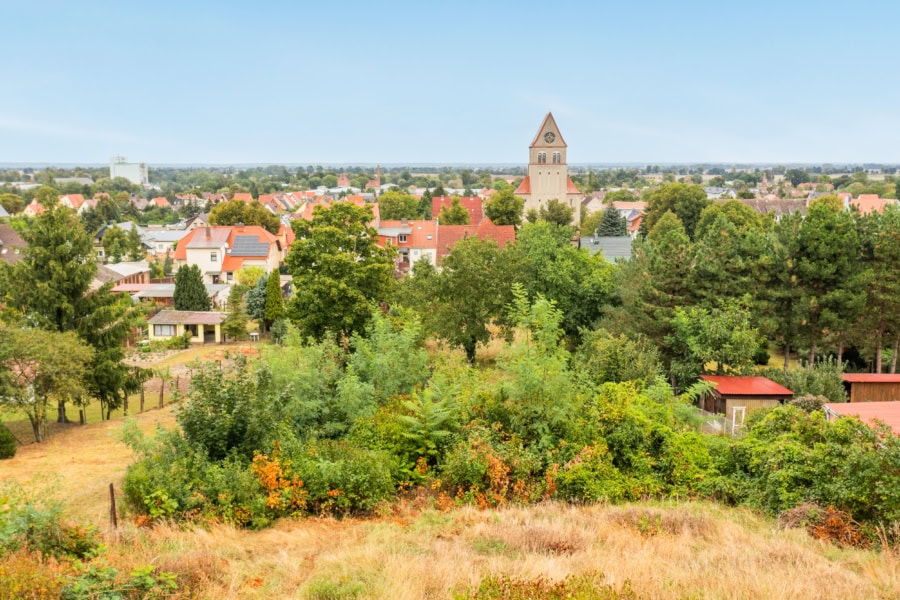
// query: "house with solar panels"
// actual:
[[222, 251]]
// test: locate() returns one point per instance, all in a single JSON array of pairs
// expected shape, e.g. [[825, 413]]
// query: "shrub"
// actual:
[[577, 587], [7, 442], [341, 478], [28, 574], [823, 379], [603, 357]]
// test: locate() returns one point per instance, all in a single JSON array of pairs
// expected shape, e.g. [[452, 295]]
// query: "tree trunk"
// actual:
[[61, 412], [787, 356], [878, 337], [840, 352], [469, 347], [894, 358], [812, 354], [38, 430]]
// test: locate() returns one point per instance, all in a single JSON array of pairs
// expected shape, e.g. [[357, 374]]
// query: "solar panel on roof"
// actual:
[[249, 245]]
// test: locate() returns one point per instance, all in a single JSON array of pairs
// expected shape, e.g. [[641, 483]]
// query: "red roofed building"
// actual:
[[161, 202], [867, 203], [73, 201], [872, 387], [747, 393], [343, 180], [548, 173], [243, 197], [34, 209], [870, 413], [473, 204], [418, 239], [375, 184], [222, 251]]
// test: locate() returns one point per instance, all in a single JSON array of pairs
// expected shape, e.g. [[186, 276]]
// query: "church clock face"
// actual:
[[549, 137]]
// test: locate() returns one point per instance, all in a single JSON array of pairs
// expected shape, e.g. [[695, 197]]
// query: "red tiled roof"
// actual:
[[570, 186], [473, 204], [449, 235], [161, 202], [525, 186], [867, 203], [75, 200], [871, 377], [243, 197], [220, 234], [869, 412], [747, 386]]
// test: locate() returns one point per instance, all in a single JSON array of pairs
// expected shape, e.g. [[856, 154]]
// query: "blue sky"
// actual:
[[449, 82]]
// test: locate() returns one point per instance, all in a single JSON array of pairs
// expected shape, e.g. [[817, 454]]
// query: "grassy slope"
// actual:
[[673, 550]]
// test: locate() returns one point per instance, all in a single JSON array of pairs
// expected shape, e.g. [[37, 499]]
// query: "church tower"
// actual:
[[548, 173]]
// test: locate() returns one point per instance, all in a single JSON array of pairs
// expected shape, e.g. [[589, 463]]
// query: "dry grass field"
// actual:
[[672, 550]]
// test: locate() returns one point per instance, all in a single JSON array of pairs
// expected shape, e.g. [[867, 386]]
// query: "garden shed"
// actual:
[[872, 387], [868, 412], [749, 393]]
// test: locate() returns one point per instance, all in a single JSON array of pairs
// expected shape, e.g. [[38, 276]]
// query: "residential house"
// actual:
[[33, 209], [162, 241], [867, 203], [449, 235], [872, 387], [12, 246], [222, 251], [200, 220], [73, 201], [203, 327], [735, 396], [870, 413], [243, 197], [121, 273], [125, 226], [3, 212], [473, 204], [160, 202]]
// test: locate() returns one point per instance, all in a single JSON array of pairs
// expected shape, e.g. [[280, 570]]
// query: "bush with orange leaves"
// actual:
[[285, 495]]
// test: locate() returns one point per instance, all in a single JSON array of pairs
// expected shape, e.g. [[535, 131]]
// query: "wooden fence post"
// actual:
[[142, 396], [113, 518], [162, 388]]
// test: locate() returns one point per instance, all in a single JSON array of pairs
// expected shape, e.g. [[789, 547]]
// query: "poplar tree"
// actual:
[[274, 302]]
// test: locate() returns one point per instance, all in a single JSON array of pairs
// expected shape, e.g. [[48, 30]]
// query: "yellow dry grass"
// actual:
[[78, 463], [688, 550]]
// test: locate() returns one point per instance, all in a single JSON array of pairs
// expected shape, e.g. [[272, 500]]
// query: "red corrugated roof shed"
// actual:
[[729, 385], [871, 377], [868, 412]]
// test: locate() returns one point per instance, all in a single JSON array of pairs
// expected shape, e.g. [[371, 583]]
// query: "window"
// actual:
[[213, 257], [557, 158], [229, 276], [163, 330], [401, 238], [542, 158]]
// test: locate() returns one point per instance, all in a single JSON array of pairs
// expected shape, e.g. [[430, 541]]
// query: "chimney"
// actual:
[[208, 232]]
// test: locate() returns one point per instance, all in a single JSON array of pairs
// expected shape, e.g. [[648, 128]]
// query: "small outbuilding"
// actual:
[[204, 327], [872, 387], [868, 412], [746, 393]]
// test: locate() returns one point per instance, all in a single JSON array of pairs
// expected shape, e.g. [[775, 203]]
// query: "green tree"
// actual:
[[685, 201], [547, 264], [249, 276], [619, 196], [274, 309], [114, 244], [797, 176], [13, 203], [556, 212], [604, 357], [235, 324], [832, 284], [653, 283], [37, 366], [394, 205], [233, 212], [470, 292], [613, 224], [882, 313], [722, 335], [134, 246], [190, 291], [505, 208], [256, 300], [338, 271], [455, 214]]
